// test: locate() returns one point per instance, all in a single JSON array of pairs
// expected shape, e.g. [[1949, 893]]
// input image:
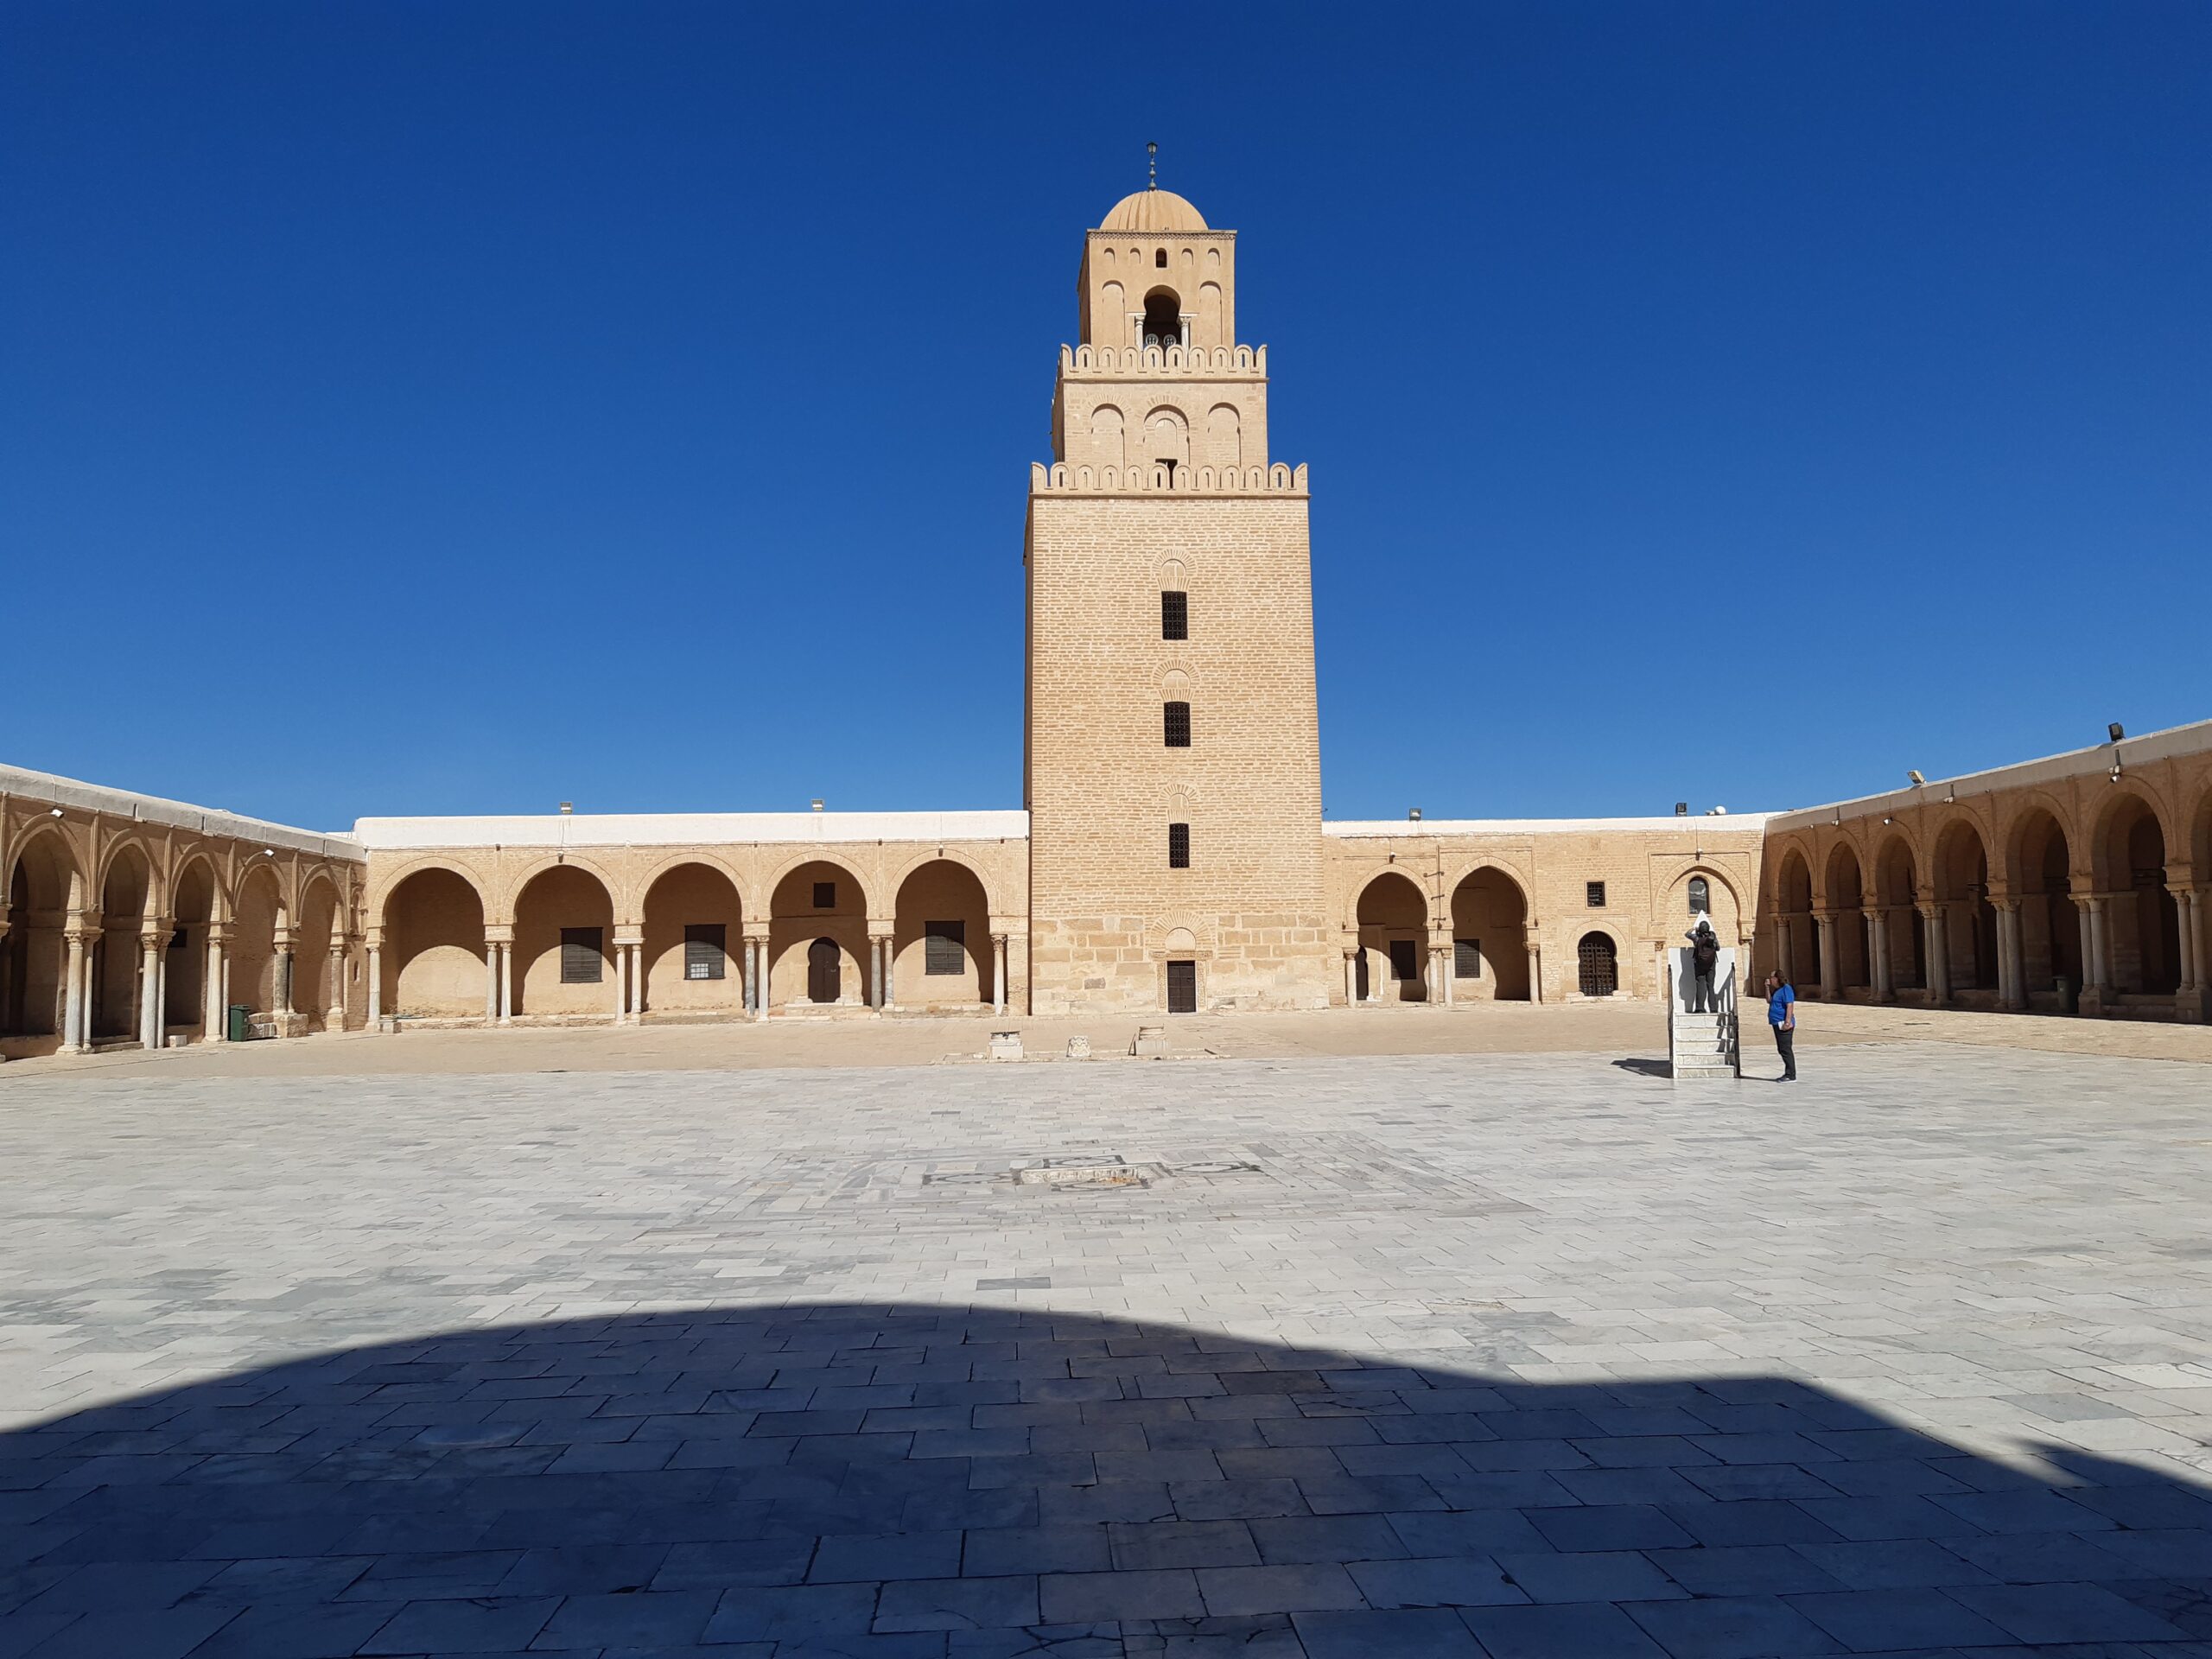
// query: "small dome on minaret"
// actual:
[[1154, 210]]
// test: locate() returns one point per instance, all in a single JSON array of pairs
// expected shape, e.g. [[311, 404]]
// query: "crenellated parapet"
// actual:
[[1182, 362], [1157, 479]]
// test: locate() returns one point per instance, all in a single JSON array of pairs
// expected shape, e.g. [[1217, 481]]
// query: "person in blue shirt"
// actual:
[[1782, 1015]]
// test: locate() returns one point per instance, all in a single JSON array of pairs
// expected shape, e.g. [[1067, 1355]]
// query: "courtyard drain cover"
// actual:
[[1113, 1172]]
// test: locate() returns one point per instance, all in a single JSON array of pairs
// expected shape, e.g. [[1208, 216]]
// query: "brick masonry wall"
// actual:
[[1104, 906]]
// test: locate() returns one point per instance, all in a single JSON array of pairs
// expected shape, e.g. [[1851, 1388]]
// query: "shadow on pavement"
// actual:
[[914, 1480]]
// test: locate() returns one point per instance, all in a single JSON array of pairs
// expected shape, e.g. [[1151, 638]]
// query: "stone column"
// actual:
[[1785, 947], [886, 956], [1351, 979], [287, 948], [504, 1012], [219, 1029], [762, 965], [491, 981], [1939, 955], [1536, 972], [2012, 971], [76, 1011], [376, 981], [333, 1017], [2099, 972], [1447, 967], [2089, 944], [2185, 913], [998, 973], [1878, 953], [149, 990], [1831, 975]]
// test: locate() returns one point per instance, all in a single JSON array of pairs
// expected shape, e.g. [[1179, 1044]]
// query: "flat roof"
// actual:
[[1425, 828], [153, 808], [688, 828], [2192, 739]]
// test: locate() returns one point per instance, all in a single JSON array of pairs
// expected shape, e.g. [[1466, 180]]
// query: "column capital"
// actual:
[[629, 933], [754, 933], [499, 936], [78, 933], [998, 938], [883, 935]]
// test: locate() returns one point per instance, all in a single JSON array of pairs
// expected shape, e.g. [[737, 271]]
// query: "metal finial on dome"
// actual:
[[1152, 166]]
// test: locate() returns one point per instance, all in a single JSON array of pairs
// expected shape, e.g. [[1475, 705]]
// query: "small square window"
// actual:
[[1466, 958], [1177, 724], [583, 959], [1174, 615], [1595, 892], [1159, 259], [826, 895], [945, 947], [1178, 846], [704, 955]]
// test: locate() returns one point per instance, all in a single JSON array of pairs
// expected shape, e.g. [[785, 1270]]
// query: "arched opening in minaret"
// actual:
[[1163, 318]]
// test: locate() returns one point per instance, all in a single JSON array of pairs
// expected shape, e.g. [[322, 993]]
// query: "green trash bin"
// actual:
[[241, 1025]]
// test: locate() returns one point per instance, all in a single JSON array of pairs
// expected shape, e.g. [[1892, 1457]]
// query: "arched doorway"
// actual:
[[34, 957], [1897, 911], [251, 969], [1799, 947], [1846, 901], [186, 981], [432, 961], [1393, 917], [1489, 940], [824, 977], [2051, 923], [1969, 918], [694, 943], [817, 901], [2143, 922], [1597, 966], [314, 991], [564, 960], [118, 955], [1163, 318], [941, 946]]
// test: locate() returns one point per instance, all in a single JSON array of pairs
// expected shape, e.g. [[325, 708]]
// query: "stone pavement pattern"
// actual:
[[1520, 1356]]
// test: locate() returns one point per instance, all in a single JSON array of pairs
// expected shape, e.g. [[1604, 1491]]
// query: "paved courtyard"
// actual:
[[1515, 1355]]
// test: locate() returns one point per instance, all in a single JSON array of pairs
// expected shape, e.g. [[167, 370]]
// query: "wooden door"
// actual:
[[824, 981]]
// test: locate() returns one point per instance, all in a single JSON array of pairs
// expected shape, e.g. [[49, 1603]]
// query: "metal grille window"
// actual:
[[1176, 723], [1466, 959], [1174, 615], [583, 955], [945, 947], [1595, 892], [1182, 988], [704, 955], [1178, 846], [826, 895], [1701, 897]]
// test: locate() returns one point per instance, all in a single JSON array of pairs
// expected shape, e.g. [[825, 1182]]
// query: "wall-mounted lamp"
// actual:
[[817, 803], [2114, 773], [57, 812], [268, 852], [1682, 809], [1915, 776], [567, 806], [1413, 815], [2115, 731], [1886, 818]]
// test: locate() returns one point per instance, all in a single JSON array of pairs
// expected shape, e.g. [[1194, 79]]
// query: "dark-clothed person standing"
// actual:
[[1704, 956], [1782, 1015]]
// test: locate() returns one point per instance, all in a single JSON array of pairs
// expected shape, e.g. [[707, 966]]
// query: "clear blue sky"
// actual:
[[461, 407]]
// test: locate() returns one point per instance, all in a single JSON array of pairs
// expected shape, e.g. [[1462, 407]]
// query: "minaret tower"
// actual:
[[1172, 748]]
